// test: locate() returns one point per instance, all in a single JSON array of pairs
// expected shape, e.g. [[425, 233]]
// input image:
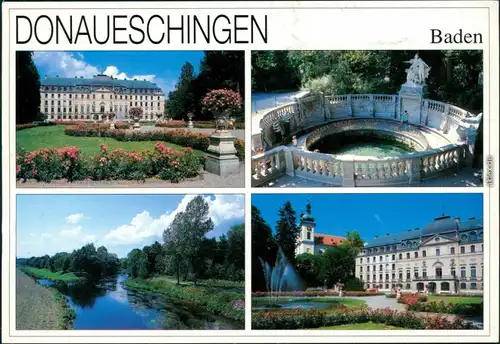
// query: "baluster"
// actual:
[[372, 173]]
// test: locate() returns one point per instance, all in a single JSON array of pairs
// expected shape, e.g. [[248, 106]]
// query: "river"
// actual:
[[111, 306]]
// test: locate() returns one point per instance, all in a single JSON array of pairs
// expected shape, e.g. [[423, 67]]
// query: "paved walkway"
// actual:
[[466, 178], [206, 180]]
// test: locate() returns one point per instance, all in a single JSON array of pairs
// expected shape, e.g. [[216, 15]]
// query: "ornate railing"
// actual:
[[341, 171]]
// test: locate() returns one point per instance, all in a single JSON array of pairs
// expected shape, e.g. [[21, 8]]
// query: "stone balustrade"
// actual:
[[345, 171]]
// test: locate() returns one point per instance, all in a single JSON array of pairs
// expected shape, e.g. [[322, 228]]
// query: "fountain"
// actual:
[[280, 277]]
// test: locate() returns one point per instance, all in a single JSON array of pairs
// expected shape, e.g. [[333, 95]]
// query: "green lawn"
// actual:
[[363, 326], [352, 303], [455, 299], [205, 283], [47, 274], [53, 137]]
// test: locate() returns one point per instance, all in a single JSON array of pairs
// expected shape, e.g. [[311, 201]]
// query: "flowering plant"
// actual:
[[220, 101]]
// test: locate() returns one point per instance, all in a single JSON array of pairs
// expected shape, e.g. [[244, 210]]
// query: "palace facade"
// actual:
[[100, 98], [445, 256], [311, 242]]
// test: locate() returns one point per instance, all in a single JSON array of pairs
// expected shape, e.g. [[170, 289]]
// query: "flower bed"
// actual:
[[171, 124], [313, 293], [180, 137], [33, 125], [302, 319], [49, 164]]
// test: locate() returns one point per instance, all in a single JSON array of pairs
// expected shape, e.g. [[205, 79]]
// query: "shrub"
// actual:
[[66, 163], [32, 125], [449, 308], [219, 101], [323, 84], [122, 125], [300, 319], [315, 293], [354, 284]]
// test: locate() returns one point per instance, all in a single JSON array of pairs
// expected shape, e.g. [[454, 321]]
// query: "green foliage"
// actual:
[[27, 88], [215, 302], [453, 78], [66, 314], [354, 284], [180, 101], [287, 231], [49, 275]]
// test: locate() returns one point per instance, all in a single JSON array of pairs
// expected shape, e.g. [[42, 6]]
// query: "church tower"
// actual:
[[307, 227]]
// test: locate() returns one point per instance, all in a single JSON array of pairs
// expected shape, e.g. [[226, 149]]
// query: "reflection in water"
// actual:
[[109, 305]]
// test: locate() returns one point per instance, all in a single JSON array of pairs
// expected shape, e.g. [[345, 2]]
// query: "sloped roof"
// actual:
[[97, 81], [330, 240]]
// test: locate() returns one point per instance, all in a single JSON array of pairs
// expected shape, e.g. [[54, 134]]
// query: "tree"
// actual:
[[27, 88], [287, 231], [263, 248], [137, 264], [184, 236], [180, 101], [236, 246]]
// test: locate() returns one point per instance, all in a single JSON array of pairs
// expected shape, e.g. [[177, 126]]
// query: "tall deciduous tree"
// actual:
[[263, 247], [183, 238], [287, 231], [180, 101], [27, 88]]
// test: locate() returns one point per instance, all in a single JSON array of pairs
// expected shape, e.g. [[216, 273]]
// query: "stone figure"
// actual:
[[417, 72]]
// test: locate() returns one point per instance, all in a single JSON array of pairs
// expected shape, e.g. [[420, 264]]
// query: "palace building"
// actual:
[[445, 256], [311, 242], [99, 98]]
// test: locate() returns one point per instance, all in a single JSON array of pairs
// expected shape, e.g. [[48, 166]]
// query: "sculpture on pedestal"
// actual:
[[222, 159], [190, 123], [136, 114], [417, 72]]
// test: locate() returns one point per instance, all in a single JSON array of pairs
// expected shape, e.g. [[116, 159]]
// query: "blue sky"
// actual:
[[160, 67], [47, 224], [371, 214]]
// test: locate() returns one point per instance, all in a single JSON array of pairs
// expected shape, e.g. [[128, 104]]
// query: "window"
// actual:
[[386, 277], [415, 273], [380, 267], [360, 269], [367, 269], [393, 257], [93, 96], [416, 254], [463, 272], [462, 249], [424, 254], [374, 277], [472, 249], [452, 250], [439, 272], [46, 110], [360, 260], [408, 274], [438, 252], [393, 276], [367, 277], [408, 286], [408, 255], [424, 273], [473, 271], [386, 286], [445, 286], [308, 233], [400, 275], [400, 256], [453, 271], [380, 258], [393, 266], [463, 286], [473, 286], [368, 259]]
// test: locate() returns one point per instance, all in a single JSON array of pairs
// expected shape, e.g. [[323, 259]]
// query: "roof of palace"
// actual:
[[330, 240], [98, 80], [442, 225]]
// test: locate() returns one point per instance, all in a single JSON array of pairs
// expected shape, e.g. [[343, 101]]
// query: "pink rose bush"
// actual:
[[222, 100]]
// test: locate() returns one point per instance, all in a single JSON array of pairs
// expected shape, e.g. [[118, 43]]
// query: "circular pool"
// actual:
[[363, 143]]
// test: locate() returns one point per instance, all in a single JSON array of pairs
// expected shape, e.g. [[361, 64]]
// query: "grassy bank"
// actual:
[[216, 302], [49, 275], [363, 326], [351, 303], [40, 308], [456, 299]]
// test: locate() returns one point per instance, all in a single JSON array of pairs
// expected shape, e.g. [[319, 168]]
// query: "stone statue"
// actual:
[[418, 71]]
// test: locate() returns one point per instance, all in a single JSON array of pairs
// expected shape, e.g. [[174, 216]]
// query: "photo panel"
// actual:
[[168, 262], [368, 261], [367, 118], [130, 119]]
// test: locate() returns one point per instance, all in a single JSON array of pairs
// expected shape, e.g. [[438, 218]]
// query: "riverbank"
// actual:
[[49, 275], [228, 304], [40, 308]]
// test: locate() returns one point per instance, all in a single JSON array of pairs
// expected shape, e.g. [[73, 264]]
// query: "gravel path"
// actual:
[[206, 180], [35, 306]]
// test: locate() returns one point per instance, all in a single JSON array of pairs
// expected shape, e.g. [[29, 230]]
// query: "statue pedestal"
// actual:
[[221, 158], [410, 100], [112, 126], [136, 126], [190, 125]]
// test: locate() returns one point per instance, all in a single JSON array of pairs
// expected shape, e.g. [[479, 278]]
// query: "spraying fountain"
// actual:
[[280, 277]]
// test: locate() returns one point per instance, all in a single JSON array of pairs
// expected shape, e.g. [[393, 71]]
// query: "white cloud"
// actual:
[[143, 226], [74, 218], [69, 65], [71, 232], [377, 217]]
